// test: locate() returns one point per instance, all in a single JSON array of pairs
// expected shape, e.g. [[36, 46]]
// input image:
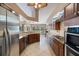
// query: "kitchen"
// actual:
[[18, 31]]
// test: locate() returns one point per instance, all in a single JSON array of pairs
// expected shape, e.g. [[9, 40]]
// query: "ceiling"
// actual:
[[46, 14]]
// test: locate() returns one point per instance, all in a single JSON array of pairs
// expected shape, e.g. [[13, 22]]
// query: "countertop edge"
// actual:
[[59, 40]]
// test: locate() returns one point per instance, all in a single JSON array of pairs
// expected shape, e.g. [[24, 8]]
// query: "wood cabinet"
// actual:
[[22, 43], [77, 7], [57, 25], [57, 47], [33, 38], [61, 49], [71, 10]]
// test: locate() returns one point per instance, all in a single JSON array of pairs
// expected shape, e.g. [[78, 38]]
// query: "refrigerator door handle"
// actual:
[[9, 40], [6, 48]]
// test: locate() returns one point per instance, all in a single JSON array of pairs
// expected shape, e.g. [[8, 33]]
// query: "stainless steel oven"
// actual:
[[71, 51], [72, 41]]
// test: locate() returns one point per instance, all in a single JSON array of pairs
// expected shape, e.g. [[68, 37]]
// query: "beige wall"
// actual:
[[57, 32], [72, 22], [62, 29]]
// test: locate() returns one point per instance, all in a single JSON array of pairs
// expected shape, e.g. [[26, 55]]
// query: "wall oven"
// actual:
[[72, 41]]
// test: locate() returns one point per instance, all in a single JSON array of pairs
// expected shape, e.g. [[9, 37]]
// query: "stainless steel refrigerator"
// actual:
[[9, 33]]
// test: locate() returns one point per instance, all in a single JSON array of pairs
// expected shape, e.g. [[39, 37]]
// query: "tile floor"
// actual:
[[39, 48]]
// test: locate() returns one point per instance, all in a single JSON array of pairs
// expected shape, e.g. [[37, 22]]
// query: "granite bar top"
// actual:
[[60, 39], [24, 34]]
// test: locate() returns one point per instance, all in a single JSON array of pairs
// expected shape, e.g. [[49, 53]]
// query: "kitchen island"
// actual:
[[26, 38]]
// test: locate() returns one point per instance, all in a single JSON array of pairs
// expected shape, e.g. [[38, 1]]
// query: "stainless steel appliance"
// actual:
[[9, 32], [72, 41]]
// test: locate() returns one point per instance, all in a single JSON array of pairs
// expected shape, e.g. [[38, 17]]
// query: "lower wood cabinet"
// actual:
[[61, 49], [24, 41], [57, 47], [21, 44], [33, 38]]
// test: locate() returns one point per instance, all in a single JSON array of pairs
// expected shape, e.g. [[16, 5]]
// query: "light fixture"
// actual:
[[13, 11], [37, 5]]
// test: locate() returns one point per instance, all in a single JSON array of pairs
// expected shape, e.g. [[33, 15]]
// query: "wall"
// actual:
[[72, 22], [61, 33], [64, 25], [25, 22], [57, 32]]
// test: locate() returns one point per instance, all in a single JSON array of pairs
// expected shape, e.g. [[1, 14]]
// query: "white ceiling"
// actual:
[[27, 10], [46, 14]]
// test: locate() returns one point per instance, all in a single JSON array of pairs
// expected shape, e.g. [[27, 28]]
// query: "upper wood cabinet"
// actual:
[[57, 25], [71, 10], [77, 8]]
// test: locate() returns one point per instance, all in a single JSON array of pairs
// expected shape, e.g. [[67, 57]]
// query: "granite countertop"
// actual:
[[23, 34], [59, 38]]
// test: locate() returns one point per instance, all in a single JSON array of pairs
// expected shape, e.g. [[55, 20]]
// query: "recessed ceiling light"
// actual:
[[39, 5], [35, 6], [13, 11]]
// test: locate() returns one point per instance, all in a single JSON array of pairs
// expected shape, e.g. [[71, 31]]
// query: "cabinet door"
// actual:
[[22, 44], [57, 25], [26, 40], [77, 8], [69, 11], [55, 47], [61, 49], [31, 38]]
